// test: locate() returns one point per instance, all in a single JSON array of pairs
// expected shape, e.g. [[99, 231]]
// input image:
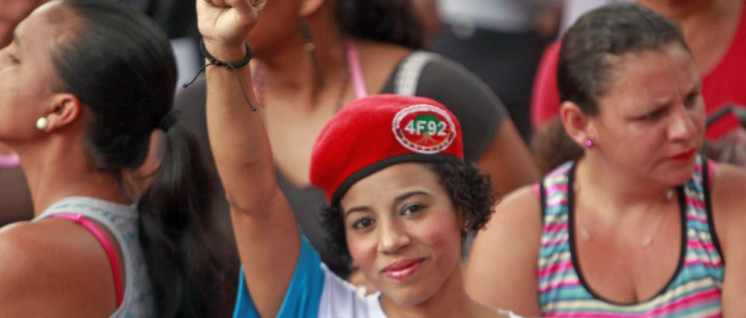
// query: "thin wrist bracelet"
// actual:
[[231, 66], [216, 62]]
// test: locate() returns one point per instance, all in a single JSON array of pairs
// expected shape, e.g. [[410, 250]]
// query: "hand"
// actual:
[[224, 24]]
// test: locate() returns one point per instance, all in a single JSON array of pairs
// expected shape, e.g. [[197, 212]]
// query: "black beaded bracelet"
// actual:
[[231, 66], [216, 62]]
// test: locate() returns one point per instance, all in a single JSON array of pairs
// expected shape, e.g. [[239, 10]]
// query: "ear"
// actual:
[[577, 124], [309, 7], [64, 110]]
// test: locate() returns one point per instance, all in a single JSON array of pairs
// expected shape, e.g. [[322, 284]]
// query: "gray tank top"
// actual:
[[121, 221]]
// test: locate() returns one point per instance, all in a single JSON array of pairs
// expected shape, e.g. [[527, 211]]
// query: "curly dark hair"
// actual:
[[469, 189]]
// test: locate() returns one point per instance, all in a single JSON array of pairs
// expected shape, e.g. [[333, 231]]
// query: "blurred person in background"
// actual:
[[501, 41]]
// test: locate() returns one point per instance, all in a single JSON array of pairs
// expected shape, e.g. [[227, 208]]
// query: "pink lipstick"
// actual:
[[402, 269]]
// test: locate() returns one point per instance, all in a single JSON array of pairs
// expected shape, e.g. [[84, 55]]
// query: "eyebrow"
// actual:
[[407, 195], [397, 201], [695, 87]]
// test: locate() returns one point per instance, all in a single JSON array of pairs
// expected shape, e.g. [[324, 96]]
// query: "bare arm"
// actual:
[[508, 161], [501, 271], [266, 232], [729, 209], [53, 268]]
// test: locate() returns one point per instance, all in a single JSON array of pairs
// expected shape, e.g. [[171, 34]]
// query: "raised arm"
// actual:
[[266, 232], [729, 209]]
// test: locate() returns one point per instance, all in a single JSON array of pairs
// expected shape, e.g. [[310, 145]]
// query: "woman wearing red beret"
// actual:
[[402, 198], [310, 57]]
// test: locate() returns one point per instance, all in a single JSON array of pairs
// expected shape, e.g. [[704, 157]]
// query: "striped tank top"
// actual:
[[693, 291]]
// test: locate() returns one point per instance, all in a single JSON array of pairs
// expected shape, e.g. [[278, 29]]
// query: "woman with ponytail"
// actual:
[[83, 86]]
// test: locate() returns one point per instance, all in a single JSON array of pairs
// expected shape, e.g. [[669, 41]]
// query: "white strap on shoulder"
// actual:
[[409, 73]]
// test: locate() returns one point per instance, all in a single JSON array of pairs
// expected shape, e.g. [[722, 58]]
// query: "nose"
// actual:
[[393, 237], [683, 124]]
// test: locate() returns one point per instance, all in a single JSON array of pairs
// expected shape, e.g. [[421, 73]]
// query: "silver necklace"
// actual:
[[647, 240]]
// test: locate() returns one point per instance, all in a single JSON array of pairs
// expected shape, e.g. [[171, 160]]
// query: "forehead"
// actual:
[[651, 76], [392, 181], [43, 26]]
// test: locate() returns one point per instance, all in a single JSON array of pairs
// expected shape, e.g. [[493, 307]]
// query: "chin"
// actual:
[[408, 296], [682, 175]]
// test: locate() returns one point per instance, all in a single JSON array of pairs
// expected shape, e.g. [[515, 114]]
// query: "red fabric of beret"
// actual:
[[375, 132]]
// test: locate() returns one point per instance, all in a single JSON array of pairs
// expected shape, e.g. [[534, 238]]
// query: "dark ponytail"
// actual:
[[389, 21], [187, 271], [121, 67]]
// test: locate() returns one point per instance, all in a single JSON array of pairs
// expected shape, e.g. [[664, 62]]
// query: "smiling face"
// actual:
[[651, 122], [403, 232]]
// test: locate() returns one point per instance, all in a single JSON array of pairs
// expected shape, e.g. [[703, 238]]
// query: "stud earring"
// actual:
[[42, 123], [589, 143]]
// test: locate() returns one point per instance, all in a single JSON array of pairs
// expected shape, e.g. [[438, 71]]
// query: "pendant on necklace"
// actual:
[[669, 195]]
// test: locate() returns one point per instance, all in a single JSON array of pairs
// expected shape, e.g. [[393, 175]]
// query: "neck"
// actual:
[[290, 78], [288, 71], [450, 300], [61, 169], [609, 186]]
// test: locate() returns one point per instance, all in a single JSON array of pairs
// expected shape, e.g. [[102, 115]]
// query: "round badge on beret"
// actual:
[[424, 128]]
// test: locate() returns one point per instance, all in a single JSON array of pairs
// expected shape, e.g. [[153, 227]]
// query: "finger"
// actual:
[[241, 6], [244, 11], [210, 3], [218, 3]]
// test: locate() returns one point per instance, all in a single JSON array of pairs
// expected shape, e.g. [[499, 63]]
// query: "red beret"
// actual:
[[375, 132]]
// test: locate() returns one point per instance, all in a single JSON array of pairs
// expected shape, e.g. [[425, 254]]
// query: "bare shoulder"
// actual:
[[729, 204], [728, 182], [515, 228], [501, 269], [55, 263], [518, 212], [379, 60], [382, 47]]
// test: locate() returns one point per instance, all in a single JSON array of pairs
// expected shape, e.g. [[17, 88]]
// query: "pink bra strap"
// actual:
[[9, 161], [356, 71], [82, 221]]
